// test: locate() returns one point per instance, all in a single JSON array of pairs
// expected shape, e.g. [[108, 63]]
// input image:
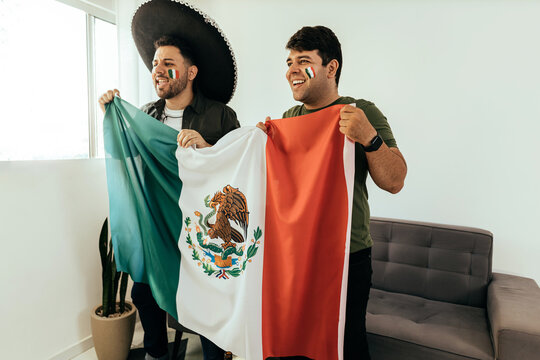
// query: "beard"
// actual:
[[176, 86], [310, 94], [306, 96]]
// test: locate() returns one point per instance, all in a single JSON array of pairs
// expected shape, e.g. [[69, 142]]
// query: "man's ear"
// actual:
[[332, 67], [192, 72]]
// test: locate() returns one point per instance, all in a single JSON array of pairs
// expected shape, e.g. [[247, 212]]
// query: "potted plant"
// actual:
[[113, 322]]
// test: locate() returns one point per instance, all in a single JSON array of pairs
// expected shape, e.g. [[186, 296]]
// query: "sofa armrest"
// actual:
[[513, 307]]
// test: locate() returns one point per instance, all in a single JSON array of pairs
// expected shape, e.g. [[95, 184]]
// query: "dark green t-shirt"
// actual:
[[360, 236]]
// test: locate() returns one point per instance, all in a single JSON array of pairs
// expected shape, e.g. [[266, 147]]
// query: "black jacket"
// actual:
[[209, 118]]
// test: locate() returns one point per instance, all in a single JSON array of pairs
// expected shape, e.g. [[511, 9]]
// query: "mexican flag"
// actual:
[[174, 74], [246, 242]]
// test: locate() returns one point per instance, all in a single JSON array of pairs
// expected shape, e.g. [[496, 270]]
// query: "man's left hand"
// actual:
[[355, 125], [187, 138]]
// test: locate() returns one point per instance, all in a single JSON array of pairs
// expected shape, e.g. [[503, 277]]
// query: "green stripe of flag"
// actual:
[[144, 189]]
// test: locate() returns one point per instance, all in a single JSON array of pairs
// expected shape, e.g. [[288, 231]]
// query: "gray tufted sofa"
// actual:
[[434, 296]]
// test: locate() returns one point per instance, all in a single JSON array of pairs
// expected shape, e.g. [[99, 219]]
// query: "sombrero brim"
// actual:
[[217, 68]]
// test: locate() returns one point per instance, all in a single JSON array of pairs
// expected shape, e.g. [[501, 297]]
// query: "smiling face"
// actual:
[[317, 91], [165, 58]]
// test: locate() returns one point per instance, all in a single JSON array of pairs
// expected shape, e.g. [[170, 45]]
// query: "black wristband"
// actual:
[[374, 144]]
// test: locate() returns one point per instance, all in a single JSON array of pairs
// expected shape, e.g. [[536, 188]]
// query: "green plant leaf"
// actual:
[[108, 281], [103, 239], [110, 277], [114, 286], [123, 290]]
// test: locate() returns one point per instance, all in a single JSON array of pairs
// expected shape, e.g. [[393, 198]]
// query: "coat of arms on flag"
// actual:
[[226, 259]]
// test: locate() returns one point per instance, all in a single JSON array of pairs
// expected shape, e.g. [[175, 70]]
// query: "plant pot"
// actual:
[[113, 336]]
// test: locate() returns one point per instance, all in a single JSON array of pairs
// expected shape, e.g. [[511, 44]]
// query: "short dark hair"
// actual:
[[318, 38], [185, 50]]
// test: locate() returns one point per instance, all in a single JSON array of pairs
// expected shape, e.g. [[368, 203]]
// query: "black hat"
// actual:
[[214, 56]]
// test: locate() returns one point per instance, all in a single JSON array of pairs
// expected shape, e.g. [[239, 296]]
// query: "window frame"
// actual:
[[94, 8], [92, 11], [93, 141]]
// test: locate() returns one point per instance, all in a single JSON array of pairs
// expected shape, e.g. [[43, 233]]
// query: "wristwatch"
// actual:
[[374, 144]]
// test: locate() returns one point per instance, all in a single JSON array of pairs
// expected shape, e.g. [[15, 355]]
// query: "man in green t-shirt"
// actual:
[[315, 63]]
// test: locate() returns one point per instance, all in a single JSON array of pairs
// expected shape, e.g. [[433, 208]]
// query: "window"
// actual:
[[106, 76], [52, 61]]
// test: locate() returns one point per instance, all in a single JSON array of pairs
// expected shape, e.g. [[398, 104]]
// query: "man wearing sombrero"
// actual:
[[194, 74]]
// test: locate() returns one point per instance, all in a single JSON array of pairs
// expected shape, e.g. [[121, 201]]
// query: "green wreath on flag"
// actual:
[[212, 257]]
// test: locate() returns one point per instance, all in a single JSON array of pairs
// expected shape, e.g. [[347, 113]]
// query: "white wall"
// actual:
[[459, 82], [51, 213]]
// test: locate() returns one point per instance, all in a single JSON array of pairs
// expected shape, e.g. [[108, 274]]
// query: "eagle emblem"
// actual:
[[229, 206]]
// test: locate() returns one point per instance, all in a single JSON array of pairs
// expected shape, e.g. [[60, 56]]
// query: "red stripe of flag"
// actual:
[[307, 210]]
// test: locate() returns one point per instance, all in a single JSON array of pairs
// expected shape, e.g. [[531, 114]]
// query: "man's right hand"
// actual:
[[262, 126], [107, 98]]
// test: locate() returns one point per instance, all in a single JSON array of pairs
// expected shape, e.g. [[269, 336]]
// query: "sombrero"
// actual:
[[215, 59]]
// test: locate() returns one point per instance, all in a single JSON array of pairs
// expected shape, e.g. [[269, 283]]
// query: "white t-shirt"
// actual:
[[173, 118]]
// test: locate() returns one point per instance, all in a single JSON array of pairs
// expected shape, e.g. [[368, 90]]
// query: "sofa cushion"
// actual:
[[382, 347], [437, 262], [457, 329]]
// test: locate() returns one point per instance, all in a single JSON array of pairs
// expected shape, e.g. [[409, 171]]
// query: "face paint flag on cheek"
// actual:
[[174, 74], [309, 71]]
